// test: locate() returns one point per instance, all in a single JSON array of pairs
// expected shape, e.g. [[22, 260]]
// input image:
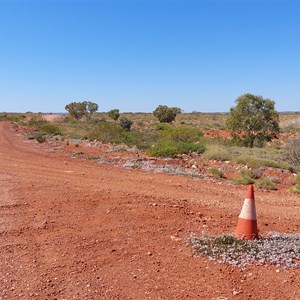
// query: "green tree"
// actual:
[[166, 114], [253, 118], [77, 109], [91, 108], [80, 109], [114, 114]]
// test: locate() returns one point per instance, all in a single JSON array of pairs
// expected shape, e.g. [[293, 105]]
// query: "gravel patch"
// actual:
[[282, 250], [149, 166]]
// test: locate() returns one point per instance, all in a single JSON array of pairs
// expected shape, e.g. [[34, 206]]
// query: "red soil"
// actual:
[[75, 229]]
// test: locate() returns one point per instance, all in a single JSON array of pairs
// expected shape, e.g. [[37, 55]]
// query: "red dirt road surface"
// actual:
[[73, 229]]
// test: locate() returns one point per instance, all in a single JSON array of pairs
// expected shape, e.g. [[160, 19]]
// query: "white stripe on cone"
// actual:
[[248, 211]]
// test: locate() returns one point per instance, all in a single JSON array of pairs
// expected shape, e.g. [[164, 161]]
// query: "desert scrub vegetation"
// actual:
[[218, 152], [218, 174], [169, 149], [111, 132], [251, 157], [39, 136], [257, 157], [125, 123], [249, 177], [177, 140], [184, 135], [265, 183], [38, 123], [246, 177], [281, 250], [292, 152], [296, 187], [253, 118]]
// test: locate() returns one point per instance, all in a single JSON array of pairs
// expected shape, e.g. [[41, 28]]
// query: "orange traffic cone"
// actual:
[[247, 223]]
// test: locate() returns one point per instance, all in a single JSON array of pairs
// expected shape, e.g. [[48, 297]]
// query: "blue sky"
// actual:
[[135, 55]]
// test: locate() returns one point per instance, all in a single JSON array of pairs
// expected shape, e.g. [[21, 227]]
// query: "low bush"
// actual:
[[177, 140], [108, 132], [3, 117], [51, 129], [126, 124], [37, 122], [292, 152], [217, 152], [255, 162], [246, 177], [295, 189], [218, 174], [245, 180], [39, 136], [265, 183], [297, 179], [180, 134], [169, 149], [247, 173]]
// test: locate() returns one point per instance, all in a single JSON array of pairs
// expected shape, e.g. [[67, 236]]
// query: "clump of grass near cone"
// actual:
[[282, 250], [296, 188]]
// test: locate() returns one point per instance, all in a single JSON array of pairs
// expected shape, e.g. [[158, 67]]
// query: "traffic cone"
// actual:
[[247, 223]]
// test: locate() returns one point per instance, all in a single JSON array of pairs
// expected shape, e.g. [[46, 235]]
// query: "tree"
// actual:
[[253, 118], [166, 114], [77, 109], [177, 110], [91, 108], [114, 114]]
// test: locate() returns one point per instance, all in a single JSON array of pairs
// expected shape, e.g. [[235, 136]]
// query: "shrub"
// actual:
[[14, 118], [37, 122], [181, 134], [51, 129], [39, 136], [166, 114], [292, 151], [218, 174], [295, 189], [177, 140], [3, 117], [167, 149], [247, 173], [265, 183], [216, 152], [126, 123], [107, 132], [114, 114], [297, 179], [245, 180], [259, 162]]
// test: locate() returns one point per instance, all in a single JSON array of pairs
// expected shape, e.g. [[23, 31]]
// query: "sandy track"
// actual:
[[76, 230]]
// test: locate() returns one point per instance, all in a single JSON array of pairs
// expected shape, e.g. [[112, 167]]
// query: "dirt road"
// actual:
[[73, 229]]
